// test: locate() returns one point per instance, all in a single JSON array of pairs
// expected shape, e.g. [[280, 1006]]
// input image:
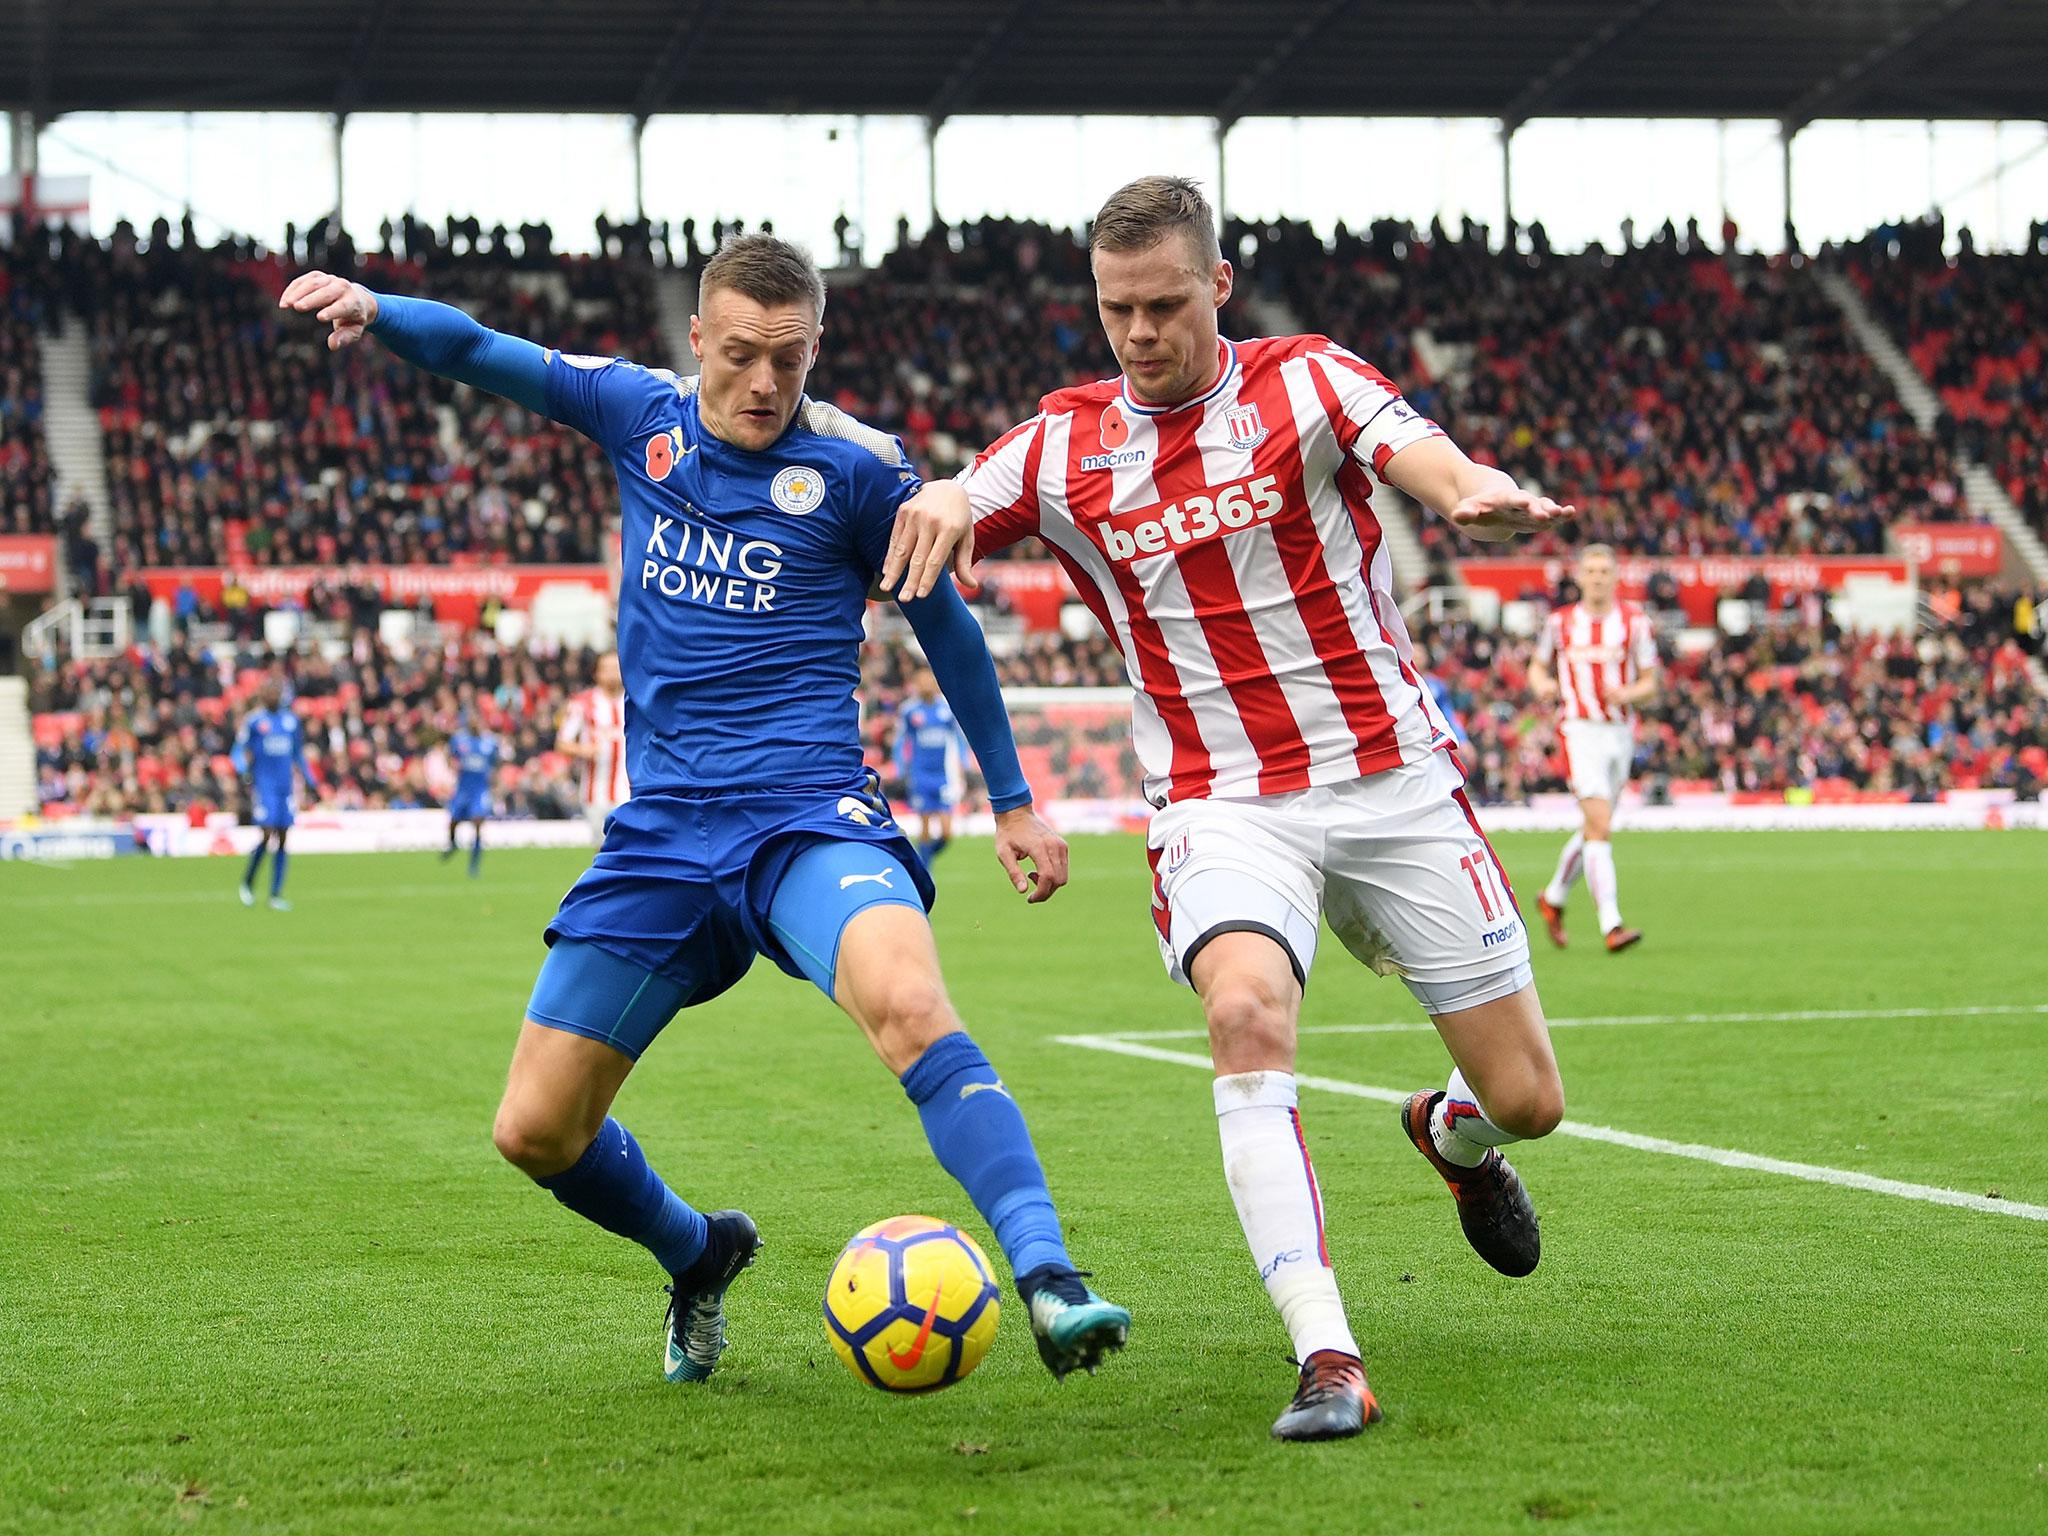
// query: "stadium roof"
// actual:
[[1516, 59]]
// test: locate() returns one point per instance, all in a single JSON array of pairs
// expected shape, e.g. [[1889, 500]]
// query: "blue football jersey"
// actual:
[[929, 746], [475, 756], [743, 582], [268, 748]]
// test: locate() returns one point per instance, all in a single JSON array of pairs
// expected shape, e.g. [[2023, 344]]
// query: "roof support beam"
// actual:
[[1844, 83], [672, 60], [369, 33], [1246, 92], [957, 89], [1549, 88]]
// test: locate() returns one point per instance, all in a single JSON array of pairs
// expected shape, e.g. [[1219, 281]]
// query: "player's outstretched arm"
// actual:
[[1481, 501], [958, 653], [437, 337]]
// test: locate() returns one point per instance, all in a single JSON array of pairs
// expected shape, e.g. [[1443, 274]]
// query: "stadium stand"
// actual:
[[235, 440], [1797, 704], [1692, 403], [150, 730], [1977, 327], [26, 481]]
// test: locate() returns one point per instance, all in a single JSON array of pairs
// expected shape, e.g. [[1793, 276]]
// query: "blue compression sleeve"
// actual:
[[442, 339], [958, 653]]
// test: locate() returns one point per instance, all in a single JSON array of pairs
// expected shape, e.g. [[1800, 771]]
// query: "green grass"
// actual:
[[261, 1270]]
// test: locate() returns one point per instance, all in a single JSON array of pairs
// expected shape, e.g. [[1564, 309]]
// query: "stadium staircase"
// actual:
[[17, 751], [1398, 516], [71, 427], [675, 300], [1980, 487]]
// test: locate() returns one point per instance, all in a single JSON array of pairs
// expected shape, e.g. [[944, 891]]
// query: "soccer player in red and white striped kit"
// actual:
[[1213, 507], [1597, 658], [593, 730]]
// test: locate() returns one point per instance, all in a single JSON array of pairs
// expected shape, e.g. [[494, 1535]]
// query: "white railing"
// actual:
[[89, 631]]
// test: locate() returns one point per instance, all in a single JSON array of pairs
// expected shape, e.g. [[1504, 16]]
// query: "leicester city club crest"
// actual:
[[797, 490]]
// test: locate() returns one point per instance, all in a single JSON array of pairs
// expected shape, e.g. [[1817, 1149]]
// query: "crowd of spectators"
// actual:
[[1976, 326], [234, 437], [1797, 704], [26, 482], [150, 730], [1690, 401]]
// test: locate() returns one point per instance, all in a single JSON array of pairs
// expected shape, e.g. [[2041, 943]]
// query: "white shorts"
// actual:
[[1598, 755], [1396, 861]]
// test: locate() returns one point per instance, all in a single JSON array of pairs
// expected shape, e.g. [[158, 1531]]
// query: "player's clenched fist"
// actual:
[[349, 307]]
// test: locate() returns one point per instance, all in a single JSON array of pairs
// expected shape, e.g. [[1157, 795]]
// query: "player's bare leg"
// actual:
[[1600, 879], [886, 976], [1253, 1002], [554, 1124], [1505, 1089]]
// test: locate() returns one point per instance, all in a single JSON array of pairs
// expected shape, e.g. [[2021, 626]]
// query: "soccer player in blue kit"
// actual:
[[269, 748], [928, 745], [476, 760], [754, 522]]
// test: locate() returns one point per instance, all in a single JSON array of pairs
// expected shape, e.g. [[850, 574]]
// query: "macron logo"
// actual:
[[1128, 458], [881, 879]]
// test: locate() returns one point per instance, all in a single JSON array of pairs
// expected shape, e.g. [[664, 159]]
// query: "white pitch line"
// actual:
[[1721, 1156], [1798, 1016]]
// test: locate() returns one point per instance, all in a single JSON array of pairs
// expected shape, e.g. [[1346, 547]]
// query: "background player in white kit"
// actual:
[[593, 729], [1213, 509], [1598, 659]]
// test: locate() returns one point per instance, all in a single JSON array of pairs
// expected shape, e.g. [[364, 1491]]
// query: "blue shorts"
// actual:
[[476, 807], [274, 812], [688, 889], [929, 799]]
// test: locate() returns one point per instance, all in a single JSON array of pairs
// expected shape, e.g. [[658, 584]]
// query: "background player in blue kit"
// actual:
[[754, 521], [929, 747], [269, 748], [475, 754]]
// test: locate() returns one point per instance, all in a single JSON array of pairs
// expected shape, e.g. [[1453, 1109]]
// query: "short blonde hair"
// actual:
[[1605, 551], [1139, 214]]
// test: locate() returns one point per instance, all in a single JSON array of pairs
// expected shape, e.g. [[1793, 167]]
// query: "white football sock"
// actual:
[[1600, 881], [1273, 1185], [1459, 1127], [1560, 888]]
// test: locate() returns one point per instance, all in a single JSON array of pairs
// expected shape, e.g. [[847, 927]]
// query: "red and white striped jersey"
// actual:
[[1594, 657], [598, 718], [1228, 546]]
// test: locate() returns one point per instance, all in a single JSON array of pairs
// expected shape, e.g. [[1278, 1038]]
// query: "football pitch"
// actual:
[[261, 1269]]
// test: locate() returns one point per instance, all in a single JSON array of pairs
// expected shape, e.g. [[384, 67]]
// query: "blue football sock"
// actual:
[[979, 1137], [476, 850], [277, 873], [938, 847], [612, 1185], [255, 866]]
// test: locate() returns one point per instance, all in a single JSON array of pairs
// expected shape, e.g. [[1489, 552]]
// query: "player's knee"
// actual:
[[534, 1146], [910, 1013], [1248, 1017], [1529, 1109]]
